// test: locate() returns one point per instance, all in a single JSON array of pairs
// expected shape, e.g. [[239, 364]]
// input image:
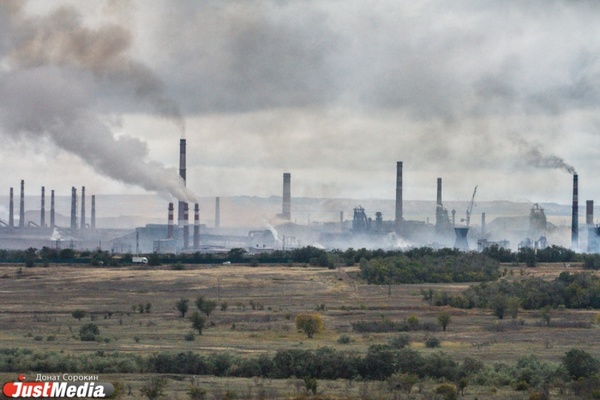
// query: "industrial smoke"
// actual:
[[55, 66]]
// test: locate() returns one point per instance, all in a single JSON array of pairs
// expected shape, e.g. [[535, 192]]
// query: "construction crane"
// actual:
[[470, 208]]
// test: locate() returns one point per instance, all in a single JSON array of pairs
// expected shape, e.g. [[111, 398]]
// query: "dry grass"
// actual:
[[38, 303]]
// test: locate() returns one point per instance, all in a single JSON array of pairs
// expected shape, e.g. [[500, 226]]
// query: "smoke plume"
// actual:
[[55, 65], [535, 158]]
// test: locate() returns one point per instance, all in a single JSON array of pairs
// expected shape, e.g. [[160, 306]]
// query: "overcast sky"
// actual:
[[504, 95]]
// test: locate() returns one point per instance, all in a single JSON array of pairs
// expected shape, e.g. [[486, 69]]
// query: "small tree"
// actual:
[[198, 321], [206, 306], [183, 306], [546, 315], [155, 388], [78, 314], [444, 319], [498, 304], [310, 323]]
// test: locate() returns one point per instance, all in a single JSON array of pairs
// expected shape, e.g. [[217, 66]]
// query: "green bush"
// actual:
[[399, 342], [432, 342], [344, 339], [89, 332]]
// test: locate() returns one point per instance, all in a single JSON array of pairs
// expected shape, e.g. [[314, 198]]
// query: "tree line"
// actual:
[[569, 290], [381, 362]]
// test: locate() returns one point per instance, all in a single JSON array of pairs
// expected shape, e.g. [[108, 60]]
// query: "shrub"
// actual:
[[155, 388], [344, 339], [190, 336], [580, 364], [432, 342], [88, 332], [447, 391], [399, 342]]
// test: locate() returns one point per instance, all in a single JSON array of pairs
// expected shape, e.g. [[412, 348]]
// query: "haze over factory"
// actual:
[[364, 111]]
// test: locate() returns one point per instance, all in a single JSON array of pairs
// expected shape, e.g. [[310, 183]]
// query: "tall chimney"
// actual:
[[22, 206], [439, 192], [182, 174], [287, 196], [196, 226], [11, 211], [73, 208], [43, 209], [52, 224], [93, 216], [574, 217], [482, 224], [398, 196], [186, 228], [170, 226], [217, 212], [589, 212], [82, 225]]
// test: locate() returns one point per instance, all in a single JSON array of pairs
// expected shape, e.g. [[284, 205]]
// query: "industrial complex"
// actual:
[[367, 228]]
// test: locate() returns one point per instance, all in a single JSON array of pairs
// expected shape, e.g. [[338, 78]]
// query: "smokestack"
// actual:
[[182, 174], [22, 206], [482, 224], [93, 217], [287, 196], [82, 225], [52, 209], [11, 211], [73, 208], [453, 218], [439, 192], [574, 218], [589, 212], [196, 226], [43, 209], [170, 226], [186, 228], [398, 196], [217, 212]]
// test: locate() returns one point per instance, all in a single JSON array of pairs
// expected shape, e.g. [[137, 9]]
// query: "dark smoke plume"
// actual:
[[535, 158], [47, 93]]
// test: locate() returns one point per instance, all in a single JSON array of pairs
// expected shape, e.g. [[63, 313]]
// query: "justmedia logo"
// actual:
[[49, 387]]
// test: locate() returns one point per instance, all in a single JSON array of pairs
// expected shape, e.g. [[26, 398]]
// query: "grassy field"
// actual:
[[36, 306]]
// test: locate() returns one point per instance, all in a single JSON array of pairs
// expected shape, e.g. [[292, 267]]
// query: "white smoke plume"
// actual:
[[53, 66]]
